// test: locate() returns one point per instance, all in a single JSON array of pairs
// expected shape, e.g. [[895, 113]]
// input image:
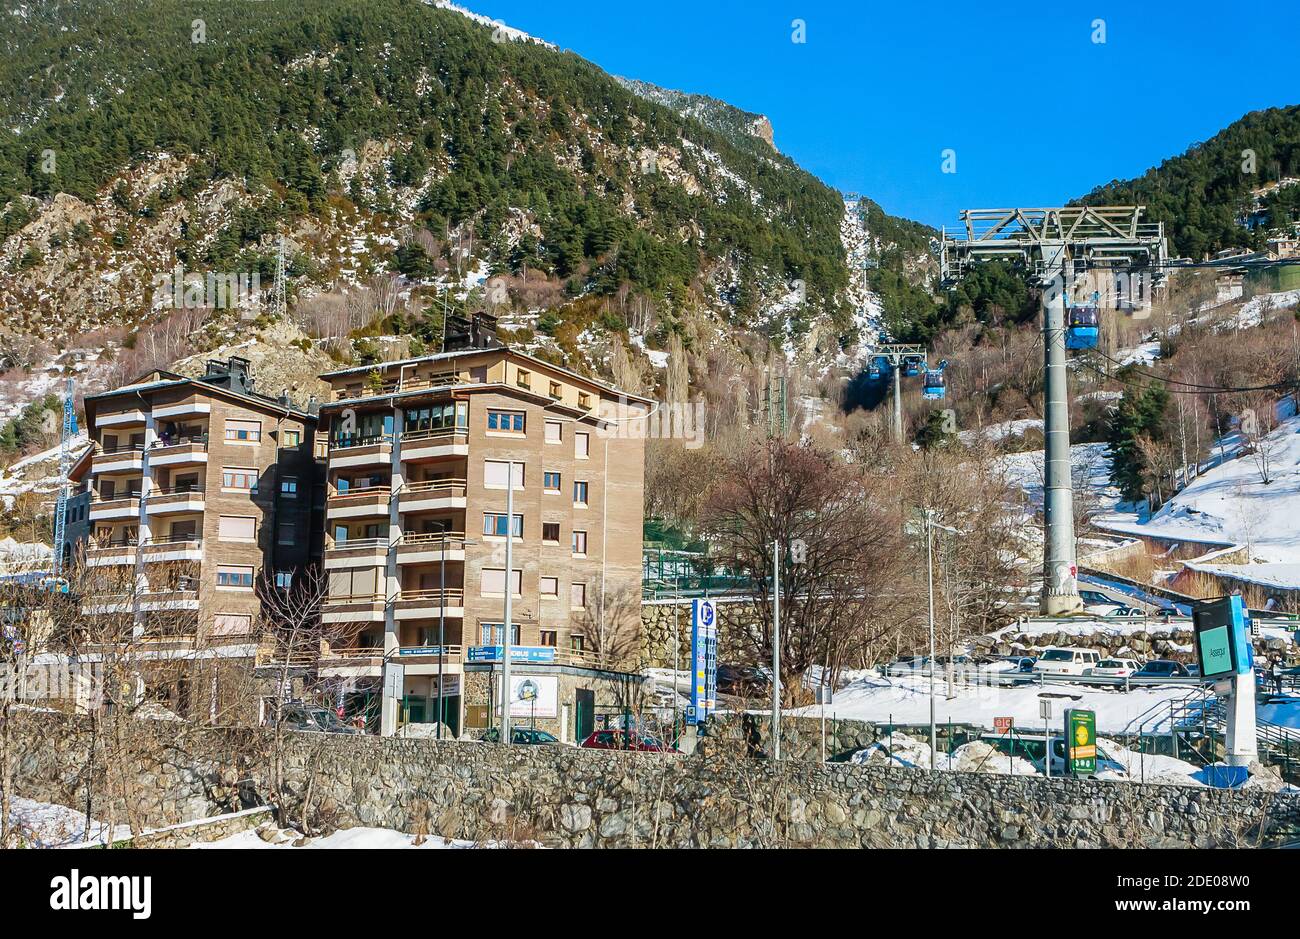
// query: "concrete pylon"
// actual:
[[898, 401], [1060, 569]]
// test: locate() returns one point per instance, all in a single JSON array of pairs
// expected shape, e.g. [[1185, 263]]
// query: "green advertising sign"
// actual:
[[1081, 742], [1214, 646]]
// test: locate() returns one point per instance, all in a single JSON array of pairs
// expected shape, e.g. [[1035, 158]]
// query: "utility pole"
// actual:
[[897, 422], [1060, 586], [776, 650], [68, 431], [510, 587], [929, 576]]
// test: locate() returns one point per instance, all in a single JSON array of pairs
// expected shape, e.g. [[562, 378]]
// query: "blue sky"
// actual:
[[1036, 112]]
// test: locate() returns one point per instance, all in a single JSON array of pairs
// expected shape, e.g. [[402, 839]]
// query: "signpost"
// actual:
[[1045, 712], [1081, 742], [704, 660]]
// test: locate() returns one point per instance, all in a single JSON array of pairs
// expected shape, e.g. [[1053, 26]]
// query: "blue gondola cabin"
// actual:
[[1083, 325]]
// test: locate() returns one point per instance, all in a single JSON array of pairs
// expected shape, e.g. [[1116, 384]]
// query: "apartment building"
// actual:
[[421, 452], [196, 487]]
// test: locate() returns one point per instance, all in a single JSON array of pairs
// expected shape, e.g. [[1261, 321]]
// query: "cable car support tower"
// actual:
[[1055, 245]]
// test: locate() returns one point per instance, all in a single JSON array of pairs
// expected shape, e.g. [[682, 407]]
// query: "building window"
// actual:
[[492, 633], [239, 578], [287, 534], [494, 523], [551, 482], [554, 432], [580, 543], [243, 431], [550, 586], [236, 528], [578, 596], [510, 422], [580, 493], [556, 391], [232, 624], [578, 643], [524, 379], [581, 446], [492, 582], [453, 414], [496, 474], [290, 438], [244, 480], [289, 487], [584, 400], [284, 579], [548, 637], [551, 532]]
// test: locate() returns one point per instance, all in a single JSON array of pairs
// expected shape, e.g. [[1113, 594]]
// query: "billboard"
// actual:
[[532, 696], [704, 660], [1080, 742]]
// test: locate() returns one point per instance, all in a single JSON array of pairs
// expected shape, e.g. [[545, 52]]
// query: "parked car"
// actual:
[[1010, 663], [625, 740], [742, 680], [1066, 661], [1113, 668], [525, 736], [1163, 668], [295, 715], [1126, 611], [1096, 603], [1104, 760]]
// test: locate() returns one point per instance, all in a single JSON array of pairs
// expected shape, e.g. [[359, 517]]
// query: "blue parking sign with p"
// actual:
[[704, 660]]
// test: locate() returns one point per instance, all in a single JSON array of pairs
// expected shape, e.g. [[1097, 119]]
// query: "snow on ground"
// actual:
[[1090, 467], [1143, 354], [45, 825], [1002, 430], [1229, 504], [369, 838], [905, 700]]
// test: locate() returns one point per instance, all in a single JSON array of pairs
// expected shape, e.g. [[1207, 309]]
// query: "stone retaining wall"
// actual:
[[564, 797]]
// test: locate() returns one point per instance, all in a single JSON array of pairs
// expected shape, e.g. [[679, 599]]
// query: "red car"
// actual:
[[625, 740]]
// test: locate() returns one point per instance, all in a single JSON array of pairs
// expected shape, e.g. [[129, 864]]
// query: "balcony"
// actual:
[[176, 501], [354, 608], [350, 662], [102, 509], [434, 444], [166, 600], [107, 553], [172, 548], [361, 451], [376, 389], [431, 495], [362, 552], [125, 418], [182, 409], [359, 503], [184, 451], [108, 604], [118, 459], [430, 547], [430, 604]]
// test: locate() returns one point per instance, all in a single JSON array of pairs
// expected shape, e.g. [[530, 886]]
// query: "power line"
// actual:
[[1213, 389]]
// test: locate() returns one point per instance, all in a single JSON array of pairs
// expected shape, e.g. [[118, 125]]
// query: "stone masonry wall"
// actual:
[[564, 797]]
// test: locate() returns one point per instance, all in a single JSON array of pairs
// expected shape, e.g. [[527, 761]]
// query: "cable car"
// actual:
[[878, 368], [1082, 326], [912, 365], [935, 386]]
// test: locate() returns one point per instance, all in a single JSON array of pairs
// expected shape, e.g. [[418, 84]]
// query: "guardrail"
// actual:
[[980, 676]]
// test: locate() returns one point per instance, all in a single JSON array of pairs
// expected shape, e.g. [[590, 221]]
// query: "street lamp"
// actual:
[[509, 589], [929, 576]]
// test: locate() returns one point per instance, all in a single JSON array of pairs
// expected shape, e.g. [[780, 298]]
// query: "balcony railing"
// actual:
[[435, 487], [350, 441], [355, 599], [444, 596], [106, 544], [175, 491], [101, 450], [192, 541], [395, 386], [166, 441], [433, 433], [364, 492], [359, 544], [453, 540]]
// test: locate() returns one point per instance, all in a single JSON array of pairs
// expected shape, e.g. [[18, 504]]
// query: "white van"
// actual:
[[1066, 661]]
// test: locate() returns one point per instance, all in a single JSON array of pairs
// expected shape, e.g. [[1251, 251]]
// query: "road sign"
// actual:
[[1045, 708], [1081, 742], [1003, 725], [704, 660]]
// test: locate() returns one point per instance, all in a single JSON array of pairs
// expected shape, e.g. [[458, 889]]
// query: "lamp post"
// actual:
[[509, 589], [929, 577]]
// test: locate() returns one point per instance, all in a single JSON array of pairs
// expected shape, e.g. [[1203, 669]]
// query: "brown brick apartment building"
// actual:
[[420, 452], [197, 487]]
